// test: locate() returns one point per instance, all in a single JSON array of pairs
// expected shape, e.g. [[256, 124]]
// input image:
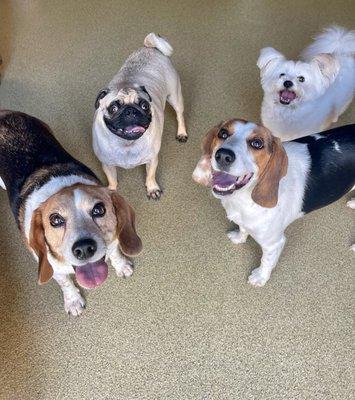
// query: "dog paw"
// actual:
[[182, 137], [258, 277], [351, 203], [237, 236], [154, 193], [74, 305], [125, 269]]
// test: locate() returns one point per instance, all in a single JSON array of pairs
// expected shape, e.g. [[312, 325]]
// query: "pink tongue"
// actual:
[[134, 129], [288, 95], [223, 179], [91, 275]]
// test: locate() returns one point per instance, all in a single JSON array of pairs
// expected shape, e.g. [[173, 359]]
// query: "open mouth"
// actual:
[[287, 96], [224, 184], [91, 275]]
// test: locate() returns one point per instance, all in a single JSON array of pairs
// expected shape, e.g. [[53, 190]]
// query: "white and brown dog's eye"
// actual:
[[301, 78], [56, 220], [98, 211], [113, 108], [144, 105], [256, 143], [223, 134], [281, 75]]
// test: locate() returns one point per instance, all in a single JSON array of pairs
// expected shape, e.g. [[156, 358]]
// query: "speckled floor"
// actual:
[[186, 325]]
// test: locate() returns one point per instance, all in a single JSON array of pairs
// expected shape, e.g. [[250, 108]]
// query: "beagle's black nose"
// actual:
[[288, 84], [224, 157], [84, 248]]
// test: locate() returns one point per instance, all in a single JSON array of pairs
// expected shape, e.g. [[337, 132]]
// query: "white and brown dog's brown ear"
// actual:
[[274, 167], [203, 172], [328, 65], [129, 242], [37, 243]]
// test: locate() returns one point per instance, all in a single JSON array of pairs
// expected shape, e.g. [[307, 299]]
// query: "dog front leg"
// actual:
[[111, 174], [238, 235], [122, 265], [153, 190], [269, 259], [73, 302]]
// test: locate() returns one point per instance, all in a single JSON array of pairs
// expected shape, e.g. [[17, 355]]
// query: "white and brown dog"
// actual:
[[70, 222], [129, 117], [264, 185]]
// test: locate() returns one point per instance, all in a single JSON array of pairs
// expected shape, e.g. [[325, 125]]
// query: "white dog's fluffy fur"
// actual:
[[323, 85]]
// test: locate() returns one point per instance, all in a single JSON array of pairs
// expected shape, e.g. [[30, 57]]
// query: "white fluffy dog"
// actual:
[[304, 97]]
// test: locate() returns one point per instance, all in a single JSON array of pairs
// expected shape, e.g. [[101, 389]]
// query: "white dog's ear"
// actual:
[[101, 95], [328, 66], [268, 56]]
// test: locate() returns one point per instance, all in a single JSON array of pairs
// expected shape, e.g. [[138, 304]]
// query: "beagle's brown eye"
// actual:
[[281, 75], [113, 108], [98, 211], [223, 134], [256, 143], [56, 220], [144, 105], [301, 78]]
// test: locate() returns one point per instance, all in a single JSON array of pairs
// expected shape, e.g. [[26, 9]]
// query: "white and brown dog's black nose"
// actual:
[[224, 157], [84, 249]]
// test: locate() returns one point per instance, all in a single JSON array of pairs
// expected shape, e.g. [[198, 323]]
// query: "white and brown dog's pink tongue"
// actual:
[[287, 95], [92, 275], [223, 179], [134, 129]]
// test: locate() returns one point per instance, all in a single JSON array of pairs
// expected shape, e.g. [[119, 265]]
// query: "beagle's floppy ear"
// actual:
[[328, 66], [203, 172], [37, 242], [266, 191], [101, 95], [129, 242]]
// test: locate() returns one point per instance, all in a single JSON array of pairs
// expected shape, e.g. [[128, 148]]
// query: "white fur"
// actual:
[[2, 184], [153, 40], [325, 94]]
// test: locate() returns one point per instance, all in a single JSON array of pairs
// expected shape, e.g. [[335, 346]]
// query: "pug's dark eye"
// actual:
[[113, 108], [144, 105], [301, 78], [56, 220], [223, 134], [256, 143], [98, 211], [281, 75]]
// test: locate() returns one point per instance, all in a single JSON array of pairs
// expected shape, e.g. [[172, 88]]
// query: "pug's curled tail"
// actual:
[[156, 41]]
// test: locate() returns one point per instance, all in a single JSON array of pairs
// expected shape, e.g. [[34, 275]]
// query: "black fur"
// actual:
[[332, 172], [101, 95], [27, 146]]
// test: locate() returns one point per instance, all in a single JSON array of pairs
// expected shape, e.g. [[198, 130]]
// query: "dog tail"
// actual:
[[334, 40], [153, 40]]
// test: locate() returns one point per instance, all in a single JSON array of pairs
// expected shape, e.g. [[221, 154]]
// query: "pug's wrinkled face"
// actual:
[[77, 225], [126, 113]]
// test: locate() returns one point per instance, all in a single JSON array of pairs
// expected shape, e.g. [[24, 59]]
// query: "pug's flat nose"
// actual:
[[288, 84], [130, 112], [224, 157], [83, 249]]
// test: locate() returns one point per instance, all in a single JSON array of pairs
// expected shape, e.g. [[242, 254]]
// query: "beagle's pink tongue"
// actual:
[[223, 179], [91, 275], [134, 129]]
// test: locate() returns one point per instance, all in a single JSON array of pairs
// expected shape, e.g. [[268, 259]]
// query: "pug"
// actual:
[[129, 117]]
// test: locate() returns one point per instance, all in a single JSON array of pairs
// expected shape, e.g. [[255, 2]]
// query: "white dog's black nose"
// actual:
[[224, 157], [84, 249], [288, 84]]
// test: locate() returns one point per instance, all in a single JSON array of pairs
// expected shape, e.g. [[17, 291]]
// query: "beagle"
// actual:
[[70, 222], [265, 185]]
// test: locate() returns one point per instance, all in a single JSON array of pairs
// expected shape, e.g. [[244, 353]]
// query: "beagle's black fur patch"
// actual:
[[332, 170]]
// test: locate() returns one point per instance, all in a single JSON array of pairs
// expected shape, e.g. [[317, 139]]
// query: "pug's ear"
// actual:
[[146, 91], [328, 66], [269, 57], [101, 95], [129, 242], [203, 172], [37, 242]]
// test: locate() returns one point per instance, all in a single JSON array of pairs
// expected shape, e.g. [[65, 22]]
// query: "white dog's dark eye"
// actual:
[[113, 108], [256, 143], [300, 78], [144, 105], [223, 134], [281, 75], [56, 220], [99, 210]]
